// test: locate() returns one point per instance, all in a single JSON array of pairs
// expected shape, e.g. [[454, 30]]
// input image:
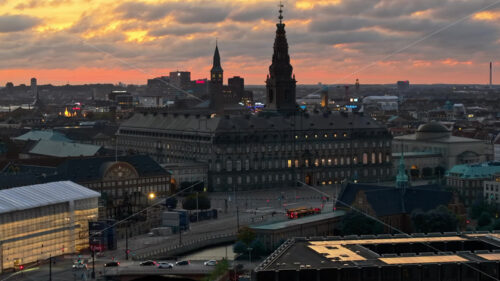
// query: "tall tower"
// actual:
[[280, 84], [216, 81], [216, 74], [34, 88], [491, 74]]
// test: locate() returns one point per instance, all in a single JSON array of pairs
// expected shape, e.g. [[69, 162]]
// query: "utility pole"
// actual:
[[126, 242], [93, 263], [50, 268], [180, 236], [237, 219]]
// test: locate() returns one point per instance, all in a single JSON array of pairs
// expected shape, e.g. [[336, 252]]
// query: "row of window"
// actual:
[[296, 163], [323, 177]]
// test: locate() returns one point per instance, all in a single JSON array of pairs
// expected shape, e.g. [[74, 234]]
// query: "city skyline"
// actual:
[[85, 41]]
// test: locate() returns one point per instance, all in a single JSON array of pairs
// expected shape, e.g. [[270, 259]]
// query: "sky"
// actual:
[[331, 41]]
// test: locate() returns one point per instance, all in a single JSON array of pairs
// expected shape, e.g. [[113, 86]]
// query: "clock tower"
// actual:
[[216, 82]]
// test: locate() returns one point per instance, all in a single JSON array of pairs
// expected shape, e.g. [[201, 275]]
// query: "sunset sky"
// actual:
[[331, 41]]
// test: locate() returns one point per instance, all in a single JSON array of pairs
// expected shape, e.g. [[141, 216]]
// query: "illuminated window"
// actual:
[[326, 135], [329, 161], [365, 158], [296, 163], [289, 163], [374, 158], [380, 158], [316, 162], [323, 162]]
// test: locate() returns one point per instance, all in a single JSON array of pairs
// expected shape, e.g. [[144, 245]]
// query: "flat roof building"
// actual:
[[44, 220], [437, 256]]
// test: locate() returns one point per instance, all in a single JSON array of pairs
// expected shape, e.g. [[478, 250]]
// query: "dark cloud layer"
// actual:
[[344, 34], [12, 23]]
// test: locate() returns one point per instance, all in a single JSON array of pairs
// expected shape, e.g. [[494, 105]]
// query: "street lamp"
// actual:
[[250, 254], [151, 195]]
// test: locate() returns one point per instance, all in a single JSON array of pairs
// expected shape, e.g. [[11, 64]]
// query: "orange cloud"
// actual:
[[453, 62], [487, 15]]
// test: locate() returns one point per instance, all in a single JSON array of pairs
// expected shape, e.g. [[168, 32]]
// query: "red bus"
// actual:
[[302, 212]]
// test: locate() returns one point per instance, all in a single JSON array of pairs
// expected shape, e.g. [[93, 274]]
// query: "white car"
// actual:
[[79, 266], [165, 265], [210, 263]]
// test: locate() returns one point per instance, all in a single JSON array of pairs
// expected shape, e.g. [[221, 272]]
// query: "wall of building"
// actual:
[[30, 235]]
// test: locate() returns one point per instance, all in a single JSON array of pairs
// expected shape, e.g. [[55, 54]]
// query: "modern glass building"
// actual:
[[43, 220]]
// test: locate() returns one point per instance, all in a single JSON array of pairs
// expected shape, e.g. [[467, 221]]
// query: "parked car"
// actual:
[[147, 263], [182, 263], [79, 266], [111, 263], [165, 265], [210, 263]]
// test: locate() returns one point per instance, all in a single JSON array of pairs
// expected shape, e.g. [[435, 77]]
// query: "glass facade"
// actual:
[[35, 234]]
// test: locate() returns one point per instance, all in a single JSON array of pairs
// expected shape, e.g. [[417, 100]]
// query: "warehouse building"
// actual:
[[44, 220], [432, 257]]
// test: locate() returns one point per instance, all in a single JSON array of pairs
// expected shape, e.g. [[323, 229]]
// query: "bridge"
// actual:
[[133, 271], [191, 245]]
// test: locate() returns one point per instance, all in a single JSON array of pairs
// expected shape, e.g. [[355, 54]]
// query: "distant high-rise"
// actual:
[[281, 83], [34, 89], [180, 79]]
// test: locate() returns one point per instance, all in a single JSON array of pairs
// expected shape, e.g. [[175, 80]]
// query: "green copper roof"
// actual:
[[476, 171]]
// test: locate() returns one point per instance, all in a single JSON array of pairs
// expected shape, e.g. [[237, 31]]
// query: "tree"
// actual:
[[495, 225], [480, 207], [258, 248], [246, 235], [356, 223], [189, 203], [439, 219], [171, 203], [484, 219], [239, 247]]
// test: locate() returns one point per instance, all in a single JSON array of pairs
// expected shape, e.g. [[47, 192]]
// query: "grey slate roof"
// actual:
[[262, 122], [64, 149], [32, 196], [42, 135]]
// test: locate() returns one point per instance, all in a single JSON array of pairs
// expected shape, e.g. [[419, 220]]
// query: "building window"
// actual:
[[229, 165], [229, 180], [380, 159], [365, 158], [374, 158], [329, 161], [289, 162], [247, 164], [316, 162]]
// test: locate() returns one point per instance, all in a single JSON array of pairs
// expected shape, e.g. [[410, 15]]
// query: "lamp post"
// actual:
[[250, 255]]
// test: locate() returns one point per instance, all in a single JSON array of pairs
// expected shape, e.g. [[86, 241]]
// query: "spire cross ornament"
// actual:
[[281, 12]]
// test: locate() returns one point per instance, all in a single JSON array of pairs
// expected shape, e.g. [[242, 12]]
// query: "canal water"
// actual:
[[212, 253]]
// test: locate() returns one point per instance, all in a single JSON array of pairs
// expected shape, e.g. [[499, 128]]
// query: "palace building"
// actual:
[[281, 146]]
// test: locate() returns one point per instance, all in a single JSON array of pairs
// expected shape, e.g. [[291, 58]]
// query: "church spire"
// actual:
[[216, 66], [280, 85]]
